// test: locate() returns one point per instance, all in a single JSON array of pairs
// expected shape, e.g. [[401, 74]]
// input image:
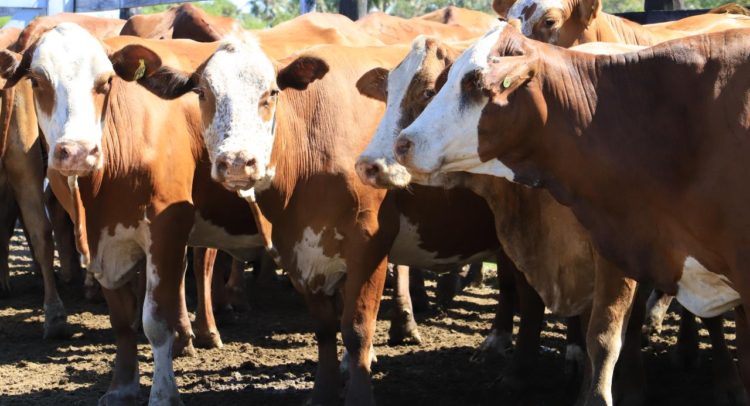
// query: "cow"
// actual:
[[23, 166], [653, 190], [471, 19], [128, 139], [396, 30], [570, 22]]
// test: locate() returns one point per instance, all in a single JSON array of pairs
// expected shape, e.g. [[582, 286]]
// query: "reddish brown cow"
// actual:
[[396, 30], [661, 219], [471, 19]]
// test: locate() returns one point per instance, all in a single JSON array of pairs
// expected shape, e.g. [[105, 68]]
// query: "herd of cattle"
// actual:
[[599, 178]]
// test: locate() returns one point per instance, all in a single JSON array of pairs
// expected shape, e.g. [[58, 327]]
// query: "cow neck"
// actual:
[[610, 28]]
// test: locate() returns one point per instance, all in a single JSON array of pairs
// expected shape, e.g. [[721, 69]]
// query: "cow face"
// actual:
[[444, 137], [70, 73], [407, 88], [543, 20]]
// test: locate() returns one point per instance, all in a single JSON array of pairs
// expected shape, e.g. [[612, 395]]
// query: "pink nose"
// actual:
[[75, 157], [236, 166], [369, 171]]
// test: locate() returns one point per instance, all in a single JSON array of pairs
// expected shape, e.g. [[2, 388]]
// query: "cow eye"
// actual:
[[429, 93], [34, 82], [104, 87], [199, 92], [549, 23], [274, 92]]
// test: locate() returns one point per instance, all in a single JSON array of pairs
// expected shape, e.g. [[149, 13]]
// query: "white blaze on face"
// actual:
[[239, 74], [445, 135], [71, 60], [521, 8], [380, 148]]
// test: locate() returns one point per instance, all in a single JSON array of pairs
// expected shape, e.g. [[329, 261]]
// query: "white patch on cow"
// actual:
[[497, 342], [164, 387], [313, 263], [445, 135], [238, 74], [344, 365], [407, 250], [117, 253], [207, 234], [71, 59], [517, 11], [704, 293], [380, 149]]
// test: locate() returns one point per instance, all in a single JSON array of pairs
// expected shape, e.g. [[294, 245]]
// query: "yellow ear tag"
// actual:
[[507, 82], [141, 70]]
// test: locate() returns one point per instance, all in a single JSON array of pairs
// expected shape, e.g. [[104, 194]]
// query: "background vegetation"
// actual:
[[266, 13]]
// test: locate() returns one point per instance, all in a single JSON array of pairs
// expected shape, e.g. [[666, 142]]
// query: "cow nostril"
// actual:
[[403, 146], [250, 163], [372, 170], [63, 152], [222, 166]]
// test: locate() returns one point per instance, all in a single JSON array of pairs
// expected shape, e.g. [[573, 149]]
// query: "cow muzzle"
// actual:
[[237, 170], [380, 173], [78, 158]]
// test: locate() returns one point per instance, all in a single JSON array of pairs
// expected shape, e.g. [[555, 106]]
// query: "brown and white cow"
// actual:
[[570, 22], [23, 165], [553, 118], [140, 189], [541, 236]]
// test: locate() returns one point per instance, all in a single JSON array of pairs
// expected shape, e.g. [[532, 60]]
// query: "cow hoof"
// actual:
[[172, 400], [55, 321], [183, 349], [208, 340], [116, 398], [497, 344], [404, 329]]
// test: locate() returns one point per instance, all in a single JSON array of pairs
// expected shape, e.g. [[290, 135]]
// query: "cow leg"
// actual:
[[236, 286], [656, 310], [165, 319], [630, 384], [8, 216], [686, 353], [206, 333], [519, 373], [474, 276], [448, 286], [613, 297], [123, 311], [219, 294], [728, 389], [500, 339], [327, 377], [39, 231], [403, 326], [417, 291], [362, 292]]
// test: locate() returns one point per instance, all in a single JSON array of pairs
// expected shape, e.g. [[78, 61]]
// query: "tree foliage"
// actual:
[[256, 14]]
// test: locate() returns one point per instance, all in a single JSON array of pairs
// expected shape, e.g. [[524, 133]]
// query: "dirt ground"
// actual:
[[269, 355]]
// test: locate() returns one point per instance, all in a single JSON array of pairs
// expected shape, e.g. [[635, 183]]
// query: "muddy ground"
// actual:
[[269, 355]]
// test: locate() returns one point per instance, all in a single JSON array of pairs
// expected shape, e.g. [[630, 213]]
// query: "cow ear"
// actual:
[[505, 75], [374, 84], [501, 7], [13, 67], [138, 63], [588, 10], [301, 72]]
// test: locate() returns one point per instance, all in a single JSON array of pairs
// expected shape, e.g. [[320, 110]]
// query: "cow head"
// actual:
[[238, 88], [444, 138], [406, 89], [545, 20], [71, 74]]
